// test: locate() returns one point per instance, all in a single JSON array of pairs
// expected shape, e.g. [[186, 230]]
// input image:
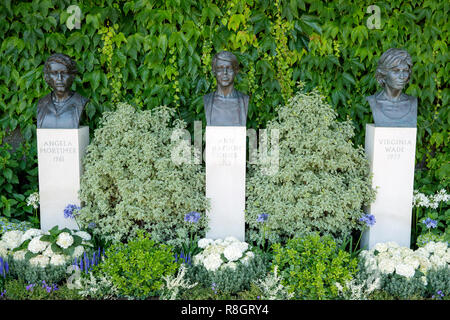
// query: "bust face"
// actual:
[[59, 77], [224, 73], [397, 77]]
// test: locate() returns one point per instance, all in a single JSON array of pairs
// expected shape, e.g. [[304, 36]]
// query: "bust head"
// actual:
[[225, 67], [394, 69], [59, 72]]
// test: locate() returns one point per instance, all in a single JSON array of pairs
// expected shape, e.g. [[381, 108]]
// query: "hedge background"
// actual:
[[150, 52]]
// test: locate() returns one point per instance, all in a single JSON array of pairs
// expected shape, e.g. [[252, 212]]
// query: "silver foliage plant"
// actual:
[[323, 181], [130, 181]]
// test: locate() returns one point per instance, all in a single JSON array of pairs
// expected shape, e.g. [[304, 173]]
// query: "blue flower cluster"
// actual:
[[183, 258], [262, 217], [48, 288], [7, 225], [368, 219], [192, 217], [4, 267], [430, 223], [86, 262], [70, 211]]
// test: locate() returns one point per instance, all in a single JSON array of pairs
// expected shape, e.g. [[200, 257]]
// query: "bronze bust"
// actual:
[[390, 107], [62, 108], [226, 106]]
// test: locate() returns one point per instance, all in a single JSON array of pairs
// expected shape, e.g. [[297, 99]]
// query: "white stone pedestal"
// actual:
[[225, 158], [391, 152], [59, 163]]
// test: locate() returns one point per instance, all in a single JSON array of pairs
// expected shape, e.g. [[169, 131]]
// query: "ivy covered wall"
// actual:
[[153, 52]]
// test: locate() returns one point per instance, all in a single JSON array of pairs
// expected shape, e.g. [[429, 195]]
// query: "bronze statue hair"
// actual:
[[388, 60]]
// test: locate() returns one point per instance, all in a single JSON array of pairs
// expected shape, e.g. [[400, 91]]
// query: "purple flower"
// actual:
[[30, 287], [262, 217], [213, 287], [192, 217], [71, 211], [368, 219], [92, 225], [430, 223]]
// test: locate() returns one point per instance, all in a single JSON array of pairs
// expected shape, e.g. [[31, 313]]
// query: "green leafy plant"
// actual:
[[22, 290], [311, 266], [321, 181], [160, 54], [130, 181], [227, 281], [137, 268]]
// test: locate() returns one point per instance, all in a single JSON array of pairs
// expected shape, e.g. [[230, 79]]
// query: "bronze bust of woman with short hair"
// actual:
[[226, 106], [390, 107], [62, 108]]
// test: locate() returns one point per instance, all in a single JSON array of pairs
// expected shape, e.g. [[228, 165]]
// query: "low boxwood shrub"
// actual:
[[311, 266], [137, 268]]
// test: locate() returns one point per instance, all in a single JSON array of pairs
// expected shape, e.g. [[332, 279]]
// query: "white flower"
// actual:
[[230, 265], [64, 240], [232, 252], [3, 249], [218, 241], [214, 249], [437, 261], [48, 252], [386, 266], [19, 255], [203, 243], [39, 260], [212, 262], [231, 239], [245, 260], [198, 259], [381, 247], [243, 246], [250, 254], [425, 264], [84, 235], [440, 248], [447, 256], [78, 252], [12, 239], [430, 246], [37, 246], [405, 270], [31, 233], [412, 261], [58, 260], [422, 252], [33, 200], [424, 280]]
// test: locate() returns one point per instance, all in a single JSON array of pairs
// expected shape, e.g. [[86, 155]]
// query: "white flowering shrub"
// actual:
[[131, 183], [36, 255], [226, 264], [401, 271], [431, 216], [323, 181], [222, 254], [272, 288]]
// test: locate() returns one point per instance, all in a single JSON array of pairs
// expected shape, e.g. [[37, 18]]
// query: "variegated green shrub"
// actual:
[[322, 182], [130, 181]]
